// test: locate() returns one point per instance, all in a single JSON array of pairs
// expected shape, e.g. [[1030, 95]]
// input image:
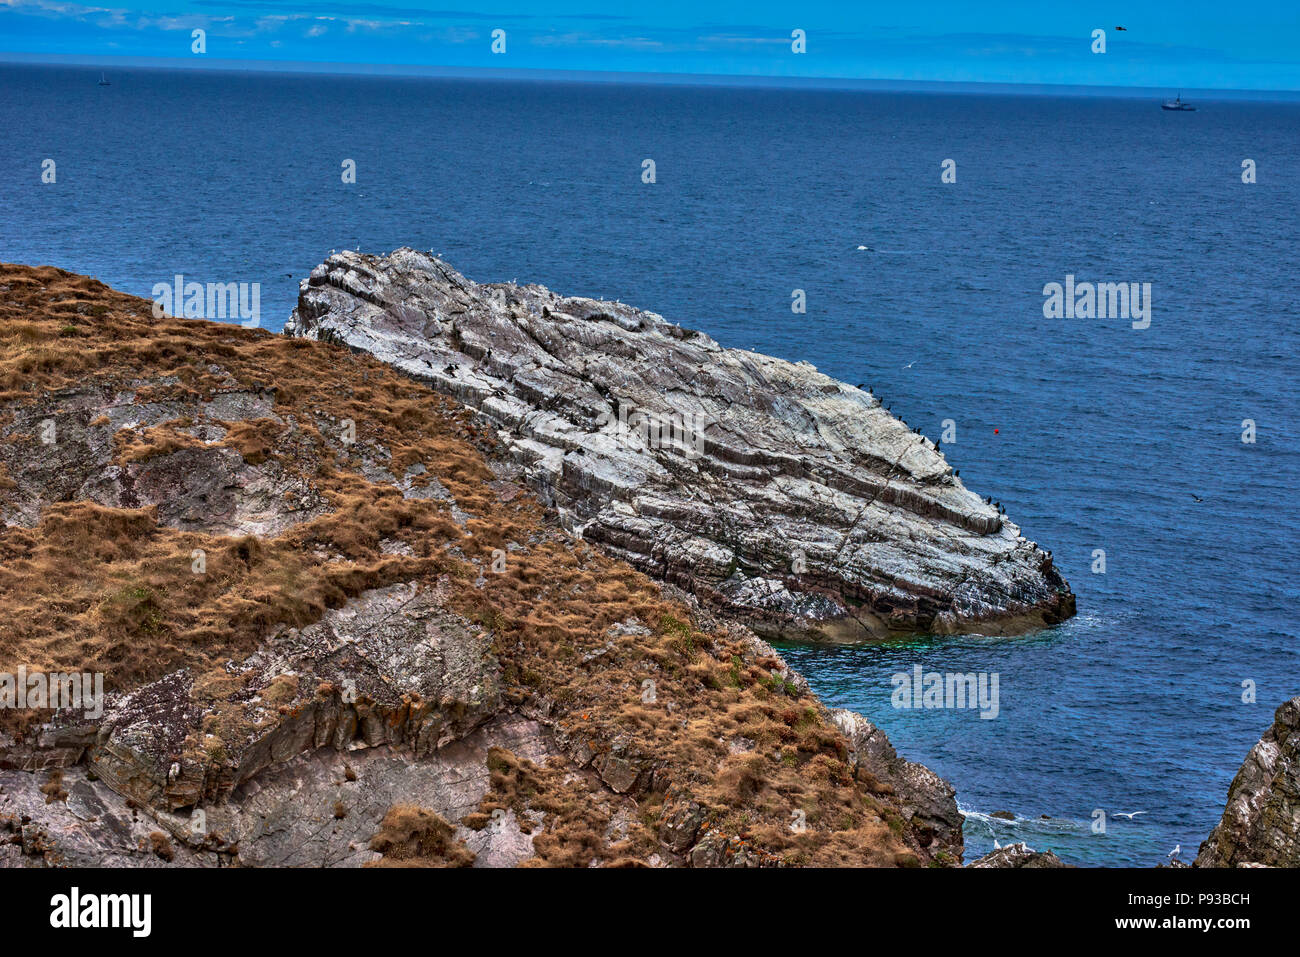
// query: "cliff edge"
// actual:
[[334, 628], [1261, 822]]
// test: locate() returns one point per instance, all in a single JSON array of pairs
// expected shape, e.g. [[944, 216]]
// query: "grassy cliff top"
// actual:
[[204, 487]]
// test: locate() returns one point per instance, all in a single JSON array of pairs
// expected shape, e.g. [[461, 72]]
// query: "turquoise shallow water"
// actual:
[[1104, 433]]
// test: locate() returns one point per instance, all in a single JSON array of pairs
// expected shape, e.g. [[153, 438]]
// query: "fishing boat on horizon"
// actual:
[[1177, 105]]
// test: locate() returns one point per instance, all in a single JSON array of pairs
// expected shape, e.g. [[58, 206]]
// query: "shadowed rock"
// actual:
[[761, 485]]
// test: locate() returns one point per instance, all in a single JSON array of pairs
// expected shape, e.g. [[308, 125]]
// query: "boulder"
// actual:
[[1018, 855]]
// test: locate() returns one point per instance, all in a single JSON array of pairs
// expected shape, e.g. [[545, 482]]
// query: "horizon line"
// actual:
[[628, 77]]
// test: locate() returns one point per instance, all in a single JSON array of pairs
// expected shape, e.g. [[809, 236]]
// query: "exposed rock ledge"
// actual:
[[1261, 823], [761, 485]]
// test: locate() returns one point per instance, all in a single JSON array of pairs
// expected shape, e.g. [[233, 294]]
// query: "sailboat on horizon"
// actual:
[[103, 80]]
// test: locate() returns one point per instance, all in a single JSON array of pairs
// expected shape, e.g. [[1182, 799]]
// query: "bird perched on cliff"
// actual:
[[451, 369], [1178, 849]]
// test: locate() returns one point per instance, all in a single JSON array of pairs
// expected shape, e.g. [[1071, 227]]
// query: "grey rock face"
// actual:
[[1261, 823], [924, 797], [93, 827], [766, 488], [389, 668], [62, 450], [316, 809]]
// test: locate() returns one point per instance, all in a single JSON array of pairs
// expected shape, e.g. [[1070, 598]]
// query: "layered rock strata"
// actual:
[[786, 497]]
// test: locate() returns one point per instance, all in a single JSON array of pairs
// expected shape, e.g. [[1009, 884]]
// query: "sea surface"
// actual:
[[1092, 434]]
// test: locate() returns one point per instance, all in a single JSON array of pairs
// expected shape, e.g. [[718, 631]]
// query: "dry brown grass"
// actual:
[[53, 788], [161, 845], [412, 836]]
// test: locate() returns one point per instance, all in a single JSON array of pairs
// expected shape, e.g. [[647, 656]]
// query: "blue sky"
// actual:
[[1189, 44]]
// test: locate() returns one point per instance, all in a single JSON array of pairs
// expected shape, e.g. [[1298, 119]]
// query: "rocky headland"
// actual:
[[424, 583], [342, 618], [792, 501]]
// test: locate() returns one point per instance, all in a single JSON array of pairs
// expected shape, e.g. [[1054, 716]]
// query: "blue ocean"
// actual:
[[1093, 434]]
